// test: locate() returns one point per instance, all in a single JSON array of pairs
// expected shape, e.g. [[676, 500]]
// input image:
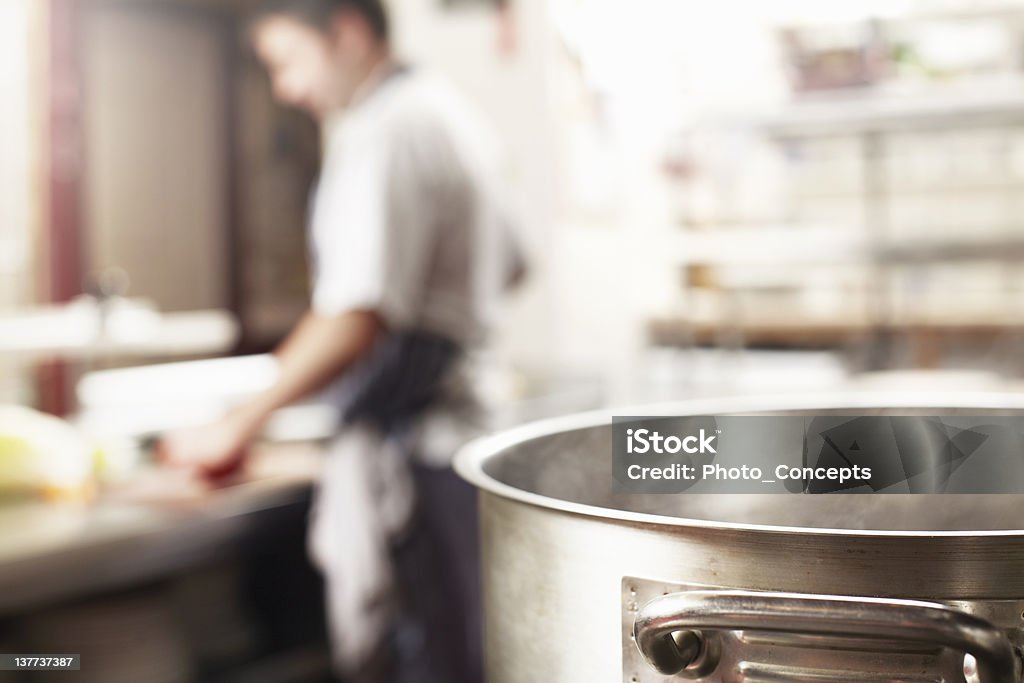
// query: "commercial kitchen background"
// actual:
[[717, 198]]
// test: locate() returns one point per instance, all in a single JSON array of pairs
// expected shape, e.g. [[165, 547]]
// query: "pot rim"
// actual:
[[470, 460]]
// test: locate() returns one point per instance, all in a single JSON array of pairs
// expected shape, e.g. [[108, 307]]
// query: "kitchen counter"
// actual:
[[152, 526]]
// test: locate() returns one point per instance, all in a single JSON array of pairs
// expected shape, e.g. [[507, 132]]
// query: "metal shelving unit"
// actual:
[[873, 117]]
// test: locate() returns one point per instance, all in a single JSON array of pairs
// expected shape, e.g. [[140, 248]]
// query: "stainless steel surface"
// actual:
[[558, 543], [703, 615], [57, 552]]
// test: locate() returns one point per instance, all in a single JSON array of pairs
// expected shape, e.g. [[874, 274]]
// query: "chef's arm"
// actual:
[[319, 349]]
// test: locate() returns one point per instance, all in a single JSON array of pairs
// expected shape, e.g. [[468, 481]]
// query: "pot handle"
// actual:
[[670, 630]]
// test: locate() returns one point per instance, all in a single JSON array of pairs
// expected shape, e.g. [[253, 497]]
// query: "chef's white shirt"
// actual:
[[406, 221]]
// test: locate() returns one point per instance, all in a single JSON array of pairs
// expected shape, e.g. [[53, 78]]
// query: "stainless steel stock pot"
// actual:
[[585, 585]]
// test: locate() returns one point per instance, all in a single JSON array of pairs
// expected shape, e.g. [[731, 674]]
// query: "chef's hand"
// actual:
[[215, 450]]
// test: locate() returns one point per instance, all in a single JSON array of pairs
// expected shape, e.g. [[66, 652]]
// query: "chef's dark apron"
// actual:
[[401, 377], [438, 636]]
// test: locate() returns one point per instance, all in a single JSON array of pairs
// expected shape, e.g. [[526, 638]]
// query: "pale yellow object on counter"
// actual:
[[44, 455]]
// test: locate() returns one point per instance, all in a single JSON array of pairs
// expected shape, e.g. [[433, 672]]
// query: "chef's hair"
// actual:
[[318, 13]]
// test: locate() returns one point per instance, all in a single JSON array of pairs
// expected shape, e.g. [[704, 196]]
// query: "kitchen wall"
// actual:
[[155, 196], [278, 160], [19, 170]]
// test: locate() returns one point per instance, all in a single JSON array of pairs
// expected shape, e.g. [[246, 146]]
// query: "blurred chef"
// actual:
[[410, 248]]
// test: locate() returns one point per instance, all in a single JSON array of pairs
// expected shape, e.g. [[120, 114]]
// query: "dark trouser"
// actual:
[[439, 636]]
